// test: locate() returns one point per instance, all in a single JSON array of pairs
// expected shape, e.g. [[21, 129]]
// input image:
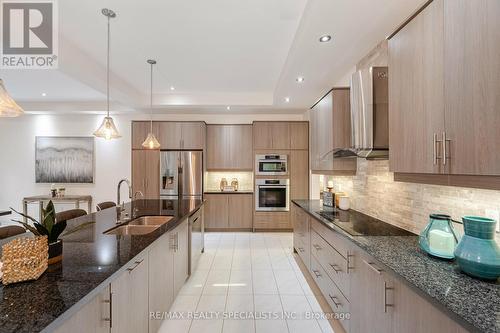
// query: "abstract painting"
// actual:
[[64, 159]]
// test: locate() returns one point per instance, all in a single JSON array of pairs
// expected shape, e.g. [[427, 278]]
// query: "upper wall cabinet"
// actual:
[[280, 135], [140, 130], [444, 90], [229, 147], [331, 128], [171, 135]]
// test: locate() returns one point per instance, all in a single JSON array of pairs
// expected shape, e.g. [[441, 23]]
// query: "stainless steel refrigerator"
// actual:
[[181, 174]]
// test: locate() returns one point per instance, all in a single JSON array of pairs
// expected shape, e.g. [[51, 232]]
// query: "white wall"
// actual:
[[112, 158]]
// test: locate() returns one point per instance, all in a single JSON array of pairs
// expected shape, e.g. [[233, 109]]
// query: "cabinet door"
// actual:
[[181, 256], [152, 174], [416, 92], [130, 299], [299, 174], [262, 136], [139, 171], [193, 135], [218, 147], [472, 86], [240, 147], [369, 297], [321, 134], [341, 118], [140, 131], [299, 135], [280, 134], [161, 283], [240, 211], [216, 211], [170, 135], [92, 318]]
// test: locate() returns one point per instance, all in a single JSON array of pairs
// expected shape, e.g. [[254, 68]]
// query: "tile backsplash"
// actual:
[[374, 192], [212, 180]]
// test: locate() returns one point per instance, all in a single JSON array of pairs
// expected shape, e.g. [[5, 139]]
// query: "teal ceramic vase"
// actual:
[[439, 238], [478, 254]]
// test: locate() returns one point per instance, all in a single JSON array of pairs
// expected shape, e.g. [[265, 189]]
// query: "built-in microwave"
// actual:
[[271, 165], [272, 195]]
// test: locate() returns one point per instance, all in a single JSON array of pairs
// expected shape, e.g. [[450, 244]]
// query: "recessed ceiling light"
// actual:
[[228, 108], [44, 94], [287, 99], [325, 38], [172, 88], [300, 79]]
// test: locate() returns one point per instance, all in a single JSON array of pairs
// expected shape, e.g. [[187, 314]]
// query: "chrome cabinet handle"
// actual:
[[137, 263], [110, 302], [317, 273], [334, 267], [176, 242], [385, 297], [434, 153], [445, 141], [348, 264], [372, 267], [334, 300]]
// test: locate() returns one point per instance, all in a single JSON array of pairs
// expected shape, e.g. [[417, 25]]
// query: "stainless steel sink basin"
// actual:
[[140, 226], [151, 220], [132, 230]]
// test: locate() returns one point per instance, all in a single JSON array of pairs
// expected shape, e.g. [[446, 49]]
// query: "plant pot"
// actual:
[[55, 252], [478, 254]]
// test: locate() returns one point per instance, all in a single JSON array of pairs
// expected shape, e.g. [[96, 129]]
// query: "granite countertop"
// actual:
[[472, 302], [90, 261]]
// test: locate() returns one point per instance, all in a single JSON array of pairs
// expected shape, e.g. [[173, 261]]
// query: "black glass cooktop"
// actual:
[[359, 224]]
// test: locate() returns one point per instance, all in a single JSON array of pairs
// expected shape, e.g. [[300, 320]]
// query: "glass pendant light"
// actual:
[[8, 107], [151, 142], [108, 130]]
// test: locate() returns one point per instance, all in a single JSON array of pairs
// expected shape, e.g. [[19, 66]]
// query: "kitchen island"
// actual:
[[404, 271], [92, 261]]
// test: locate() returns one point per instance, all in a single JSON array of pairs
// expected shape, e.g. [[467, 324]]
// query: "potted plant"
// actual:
[[49, 227]]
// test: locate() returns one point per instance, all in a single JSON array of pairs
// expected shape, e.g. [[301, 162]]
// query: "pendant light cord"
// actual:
[[151, 99], [107, 65]]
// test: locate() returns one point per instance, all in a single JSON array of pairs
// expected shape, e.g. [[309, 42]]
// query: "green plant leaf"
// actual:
[[57, 229], [41, 229], [49, 216], [24, 215], [78, 228], [28, 227]]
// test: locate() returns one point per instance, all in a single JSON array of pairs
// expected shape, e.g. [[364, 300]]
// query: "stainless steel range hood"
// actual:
[[370, 113]]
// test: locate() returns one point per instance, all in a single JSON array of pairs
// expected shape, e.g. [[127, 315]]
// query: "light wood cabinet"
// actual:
[[299, 174], [416, 90], [444, 83], [91, 318], [181, 256], [262, 136], [229, 211], [299, 135], [130, 304], [272, 221], [301, 234], [229, 147], [146, 173], [182, 135], [331, 129], [240, 211], [161, 266], [140, 131]]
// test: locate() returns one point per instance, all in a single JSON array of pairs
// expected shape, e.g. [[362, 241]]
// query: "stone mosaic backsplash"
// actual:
[[374, 192]]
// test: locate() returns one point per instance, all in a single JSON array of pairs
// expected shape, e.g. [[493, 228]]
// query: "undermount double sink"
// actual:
[[140, 226]]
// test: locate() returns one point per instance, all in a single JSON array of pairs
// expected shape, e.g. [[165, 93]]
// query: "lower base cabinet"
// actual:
[[229, 211], [180, 256]]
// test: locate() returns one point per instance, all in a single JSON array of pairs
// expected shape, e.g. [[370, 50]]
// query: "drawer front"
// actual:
[[334, 239], [272, 220], [304, 253], [332, 262], [332, 294]]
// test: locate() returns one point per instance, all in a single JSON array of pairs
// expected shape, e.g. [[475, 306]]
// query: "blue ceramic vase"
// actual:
[[478, 254]]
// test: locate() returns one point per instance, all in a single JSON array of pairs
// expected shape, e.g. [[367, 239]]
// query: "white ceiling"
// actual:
[[242, 53]]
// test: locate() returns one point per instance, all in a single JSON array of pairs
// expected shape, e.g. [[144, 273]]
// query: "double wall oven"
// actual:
[[272, 195]]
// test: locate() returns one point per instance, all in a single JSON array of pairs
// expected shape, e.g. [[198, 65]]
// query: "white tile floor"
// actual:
[[242, 273]]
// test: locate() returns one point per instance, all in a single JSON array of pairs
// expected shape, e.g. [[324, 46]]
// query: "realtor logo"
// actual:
[[29, 34]]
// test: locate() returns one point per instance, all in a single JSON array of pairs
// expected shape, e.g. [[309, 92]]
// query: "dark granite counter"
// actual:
[[91, 260], [472, 302]]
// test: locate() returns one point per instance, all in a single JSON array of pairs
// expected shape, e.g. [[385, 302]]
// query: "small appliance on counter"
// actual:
[[478, 254], [439, 238]]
